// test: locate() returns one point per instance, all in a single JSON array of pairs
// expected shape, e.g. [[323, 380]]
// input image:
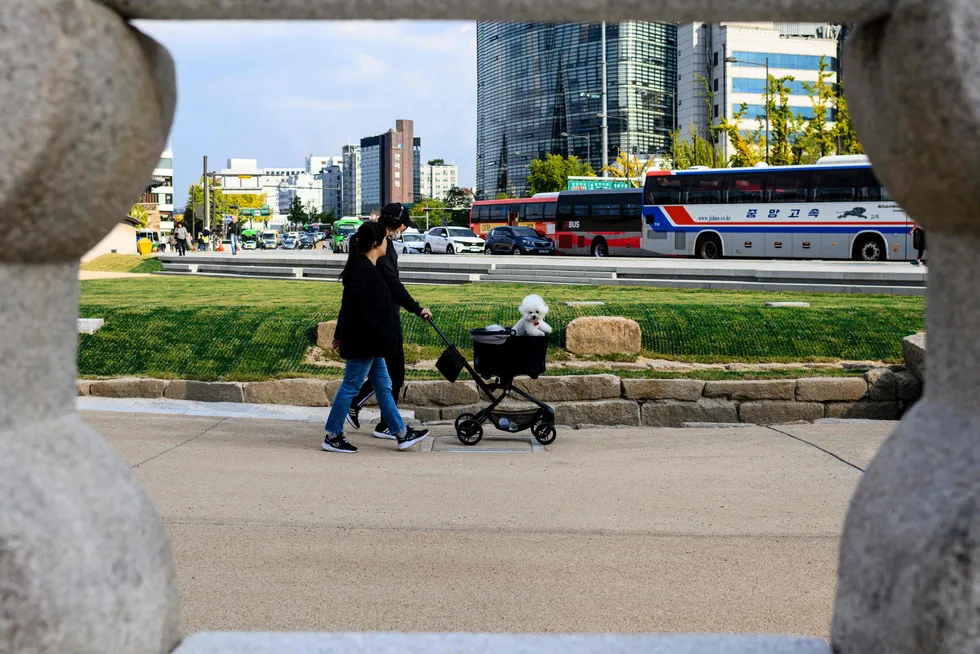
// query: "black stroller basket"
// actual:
[[501, 355]]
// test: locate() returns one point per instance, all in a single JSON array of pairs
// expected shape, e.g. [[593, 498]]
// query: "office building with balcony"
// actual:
[[539, 91], [723, 65]]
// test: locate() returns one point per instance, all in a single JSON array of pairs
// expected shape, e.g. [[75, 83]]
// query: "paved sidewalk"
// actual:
[[624, 530]]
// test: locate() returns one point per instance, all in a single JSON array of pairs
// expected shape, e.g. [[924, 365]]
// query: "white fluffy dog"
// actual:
[[533, 310]]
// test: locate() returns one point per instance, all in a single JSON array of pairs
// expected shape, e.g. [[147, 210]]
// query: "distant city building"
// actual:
[[389, 163], [352, 180], [539, 91], [704, 69], [304, 186], [436, 180], [243, 176], [331, 180], [163, 196], [315, 164]]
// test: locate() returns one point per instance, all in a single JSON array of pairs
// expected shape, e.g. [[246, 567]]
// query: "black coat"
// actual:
[[388, 266], [368, 322]]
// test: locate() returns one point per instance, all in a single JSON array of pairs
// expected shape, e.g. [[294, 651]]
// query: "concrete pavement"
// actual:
[[625, 530]]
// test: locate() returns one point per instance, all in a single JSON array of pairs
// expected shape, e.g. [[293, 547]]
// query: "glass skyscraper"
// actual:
[[538, 92]]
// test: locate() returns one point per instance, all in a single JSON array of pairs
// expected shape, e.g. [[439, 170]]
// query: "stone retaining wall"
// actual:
[[881, 394]]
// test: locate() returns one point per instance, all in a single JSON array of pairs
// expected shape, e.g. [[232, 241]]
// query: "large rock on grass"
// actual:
[[602, 335], [914, 349]]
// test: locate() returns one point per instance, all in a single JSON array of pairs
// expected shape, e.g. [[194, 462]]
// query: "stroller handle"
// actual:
[[438, 331]]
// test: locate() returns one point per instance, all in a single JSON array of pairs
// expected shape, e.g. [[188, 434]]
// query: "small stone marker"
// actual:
[[590, 303], [603, 335], [90, 325], [325, 333], [797, 305]]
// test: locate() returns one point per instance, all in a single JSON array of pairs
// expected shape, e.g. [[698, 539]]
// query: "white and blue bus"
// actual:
[[835, 209]]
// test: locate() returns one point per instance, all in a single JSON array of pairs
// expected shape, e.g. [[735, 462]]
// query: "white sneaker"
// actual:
[[382, 432]]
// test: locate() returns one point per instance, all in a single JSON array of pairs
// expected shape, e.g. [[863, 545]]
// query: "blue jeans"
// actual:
[[234, 243], [356, 372]]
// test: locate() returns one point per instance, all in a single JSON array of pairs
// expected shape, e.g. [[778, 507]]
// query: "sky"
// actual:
[[278, 91]]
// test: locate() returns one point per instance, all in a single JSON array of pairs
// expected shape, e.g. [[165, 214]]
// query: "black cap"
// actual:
[[395, 215]]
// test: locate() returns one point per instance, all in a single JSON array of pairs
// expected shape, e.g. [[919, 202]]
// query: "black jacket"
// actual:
[[234, 228], [367, 324], [388, 267]]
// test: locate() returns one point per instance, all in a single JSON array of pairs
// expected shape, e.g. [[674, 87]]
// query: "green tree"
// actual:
[[502, 196], [692, 151], [460, 200], [845, 137], [297, 214], [817, 137], [431, 207], [551, 173], [437, 162], [141, 213], [784, 124], [629, 168], [221, 203], [748, 148]]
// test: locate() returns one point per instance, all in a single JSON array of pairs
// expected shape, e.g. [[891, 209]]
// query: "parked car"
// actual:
[[249, 243], [517, 240], [290, 241], [452, 240], [410, 243], [306, 241]]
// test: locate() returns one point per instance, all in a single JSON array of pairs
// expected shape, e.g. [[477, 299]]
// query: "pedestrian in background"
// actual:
[[365, 326], [181, 237], [919, 243], [234, 233], [394, 218]]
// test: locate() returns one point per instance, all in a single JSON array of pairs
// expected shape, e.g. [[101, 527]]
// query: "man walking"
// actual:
[[181, 234], [394, 218], [234, 233]]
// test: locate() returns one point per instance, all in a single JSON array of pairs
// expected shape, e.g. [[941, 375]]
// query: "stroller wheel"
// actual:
[[544, 433], [462, 417], [468, 430]]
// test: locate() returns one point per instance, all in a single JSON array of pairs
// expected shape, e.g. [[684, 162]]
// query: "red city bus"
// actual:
[[538, 213], [600, 222]]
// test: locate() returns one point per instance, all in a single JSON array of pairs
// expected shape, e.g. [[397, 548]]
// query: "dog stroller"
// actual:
[[500, 356]]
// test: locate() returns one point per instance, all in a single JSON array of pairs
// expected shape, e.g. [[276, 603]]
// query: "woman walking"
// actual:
[[365, 327], [919, 243]]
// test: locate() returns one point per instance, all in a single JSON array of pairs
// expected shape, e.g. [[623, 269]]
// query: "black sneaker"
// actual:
[[338, 444], [382, 431], [352, 416], [411, 438]]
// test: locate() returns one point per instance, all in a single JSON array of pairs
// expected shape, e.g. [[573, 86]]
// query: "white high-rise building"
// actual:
[[352, 181], [304, 186], [436, 180], [720, 66], [163, 196], [316, 163], [331, 180]]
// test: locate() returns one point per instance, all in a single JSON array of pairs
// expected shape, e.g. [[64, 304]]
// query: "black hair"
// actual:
[[368, 236]]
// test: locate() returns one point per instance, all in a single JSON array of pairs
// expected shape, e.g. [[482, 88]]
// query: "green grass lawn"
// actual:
[[257, 329], [124, 263]]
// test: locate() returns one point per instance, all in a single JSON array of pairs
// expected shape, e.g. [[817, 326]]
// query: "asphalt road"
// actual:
[[623, 530]]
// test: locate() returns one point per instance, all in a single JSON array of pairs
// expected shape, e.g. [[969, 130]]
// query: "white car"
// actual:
[[410, 243], [452, 240]]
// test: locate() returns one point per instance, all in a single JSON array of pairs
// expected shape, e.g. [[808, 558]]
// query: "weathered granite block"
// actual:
[[864, 410], [205, 391], [779, 412], [572, 388], [831, 389], [770, 389], [128, 387], [688, 390], [670, 413], [295, 392], [440, 393], [603, 412]]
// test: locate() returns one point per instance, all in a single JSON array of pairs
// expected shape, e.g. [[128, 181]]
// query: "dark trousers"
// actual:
[[920, 251], [181, 247], [395, 361]]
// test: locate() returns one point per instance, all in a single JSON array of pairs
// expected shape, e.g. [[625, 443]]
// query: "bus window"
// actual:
[[633, 207], [534, 211], [745, 188], [870, 189], [606, 207], [481, 214], [498, 213], [789, 186], [834, 185], [550, 209], [580, 207], [564, 207], [704, 189], [515, 213], [664, 189]]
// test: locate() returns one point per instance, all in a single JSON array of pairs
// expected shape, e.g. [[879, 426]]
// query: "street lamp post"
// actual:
[[733, 60], [605, 108]]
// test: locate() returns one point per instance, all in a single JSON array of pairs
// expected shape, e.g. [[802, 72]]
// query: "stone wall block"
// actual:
[[774, 389], [831, 389], [572, 388], [914, 352], [907, 386], [603, 412], [689, 390], [671, 413], [440, 393], [864, 410], [779, 412], [882, 384], [205, 391], [129, 387], [294, 392]]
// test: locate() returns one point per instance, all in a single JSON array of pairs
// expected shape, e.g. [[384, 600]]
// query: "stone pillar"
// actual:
[[85, 108], [907, 578]]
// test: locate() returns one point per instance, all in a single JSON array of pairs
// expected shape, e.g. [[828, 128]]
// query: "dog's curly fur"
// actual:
[[533, 310]]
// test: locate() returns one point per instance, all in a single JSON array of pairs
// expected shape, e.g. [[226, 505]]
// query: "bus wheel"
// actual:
[[869, 248], [599, 248], [708, 247]]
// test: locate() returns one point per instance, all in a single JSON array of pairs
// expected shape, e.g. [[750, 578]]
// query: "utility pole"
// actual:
[[207, 195], [767, 111], [605, 108]]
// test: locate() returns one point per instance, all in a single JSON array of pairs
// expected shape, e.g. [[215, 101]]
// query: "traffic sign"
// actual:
[[592, 183]]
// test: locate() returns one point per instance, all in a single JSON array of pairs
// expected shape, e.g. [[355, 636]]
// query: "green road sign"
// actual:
[[592, 183]]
